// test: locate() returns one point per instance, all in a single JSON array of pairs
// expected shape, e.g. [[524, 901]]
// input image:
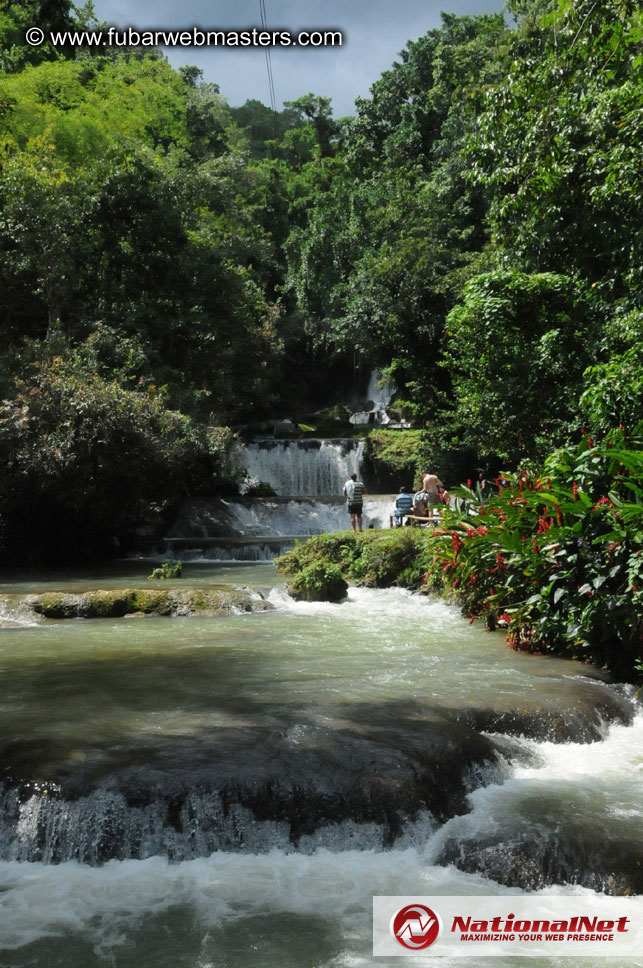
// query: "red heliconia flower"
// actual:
[[575, 491], [590, 442], [469, 483], [456, 542], [534, 545], [602, 500]]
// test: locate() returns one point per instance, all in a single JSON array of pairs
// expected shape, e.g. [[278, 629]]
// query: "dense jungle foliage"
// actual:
[[170, 266]]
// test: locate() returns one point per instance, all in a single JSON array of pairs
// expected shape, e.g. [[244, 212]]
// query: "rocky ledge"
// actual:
[[146, 601]]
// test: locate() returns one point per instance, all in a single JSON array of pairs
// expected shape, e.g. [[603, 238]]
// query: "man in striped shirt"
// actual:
[[354, 491]]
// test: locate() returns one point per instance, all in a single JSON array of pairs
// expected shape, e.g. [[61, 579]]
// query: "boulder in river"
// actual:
[[146, 601]]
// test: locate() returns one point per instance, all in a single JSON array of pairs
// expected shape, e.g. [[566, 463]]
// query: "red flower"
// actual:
[[575, 491]]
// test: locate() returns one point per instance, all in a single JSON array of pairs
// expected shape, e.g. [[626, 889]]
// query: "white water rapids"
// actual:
[[113, 686], [251, 903]]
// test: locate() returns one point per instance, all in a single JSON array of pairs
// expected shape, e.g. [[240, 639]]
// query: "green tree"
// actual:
[[85, 461], [517, 348], [557, 146]]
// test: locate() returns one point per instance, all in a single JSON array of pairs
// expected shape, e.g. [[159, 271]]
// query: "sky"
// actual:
[[375, 31]]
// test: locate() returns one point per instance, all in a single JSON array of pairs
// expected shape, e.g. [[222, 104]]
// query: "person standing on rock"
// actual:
[[354, 492]]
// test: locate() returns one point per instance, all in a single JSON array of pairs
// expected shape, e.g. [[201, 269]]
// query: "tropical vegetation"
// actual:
[[175, 270]]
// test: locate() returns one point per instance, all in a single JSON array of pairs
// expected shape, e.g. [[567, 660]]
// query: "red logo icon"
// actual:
[[415, 926]]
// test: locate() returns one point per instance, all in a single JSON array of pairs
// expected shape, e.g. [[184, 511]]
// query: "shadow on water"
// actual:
[[177, 939]]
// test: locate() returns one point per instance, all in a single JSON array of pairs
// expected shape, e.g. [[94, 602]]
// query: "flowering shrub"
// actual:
[[555, 554]]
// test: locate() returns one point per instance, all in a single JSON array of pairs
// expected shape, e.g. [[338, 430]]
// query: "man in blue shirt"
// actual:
[[403, 505]]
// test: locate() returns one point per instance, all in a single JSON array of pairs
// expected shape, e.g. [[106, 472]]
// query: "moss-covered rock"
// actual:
[[321, 581], [145, 601]]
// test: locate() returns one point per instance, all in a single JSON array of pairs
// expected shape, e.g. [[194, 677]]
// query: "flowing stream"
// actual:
[[232, 791]]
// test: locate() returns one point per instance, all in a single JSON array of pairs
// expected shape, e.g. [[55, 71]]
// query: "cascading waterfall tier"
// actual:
[[311, 468], [307, 476]]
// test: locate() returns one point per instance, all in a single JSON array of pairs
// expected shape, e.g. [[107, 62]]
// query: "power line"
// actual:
[[271, 81]]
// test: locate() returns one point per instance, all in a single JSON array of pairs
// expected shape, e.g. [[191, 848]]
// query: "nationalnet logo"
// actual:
[[415, 926], [582, 925]]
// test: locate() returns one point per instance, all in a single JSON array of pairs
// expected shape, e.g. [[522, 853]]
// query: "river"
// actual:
[[232, 791]]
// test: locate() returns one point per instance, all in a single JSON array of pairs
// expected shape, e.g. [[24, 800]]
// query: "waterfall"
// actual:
[[309, 468], [379, 394], [380, 391], [308, 477]]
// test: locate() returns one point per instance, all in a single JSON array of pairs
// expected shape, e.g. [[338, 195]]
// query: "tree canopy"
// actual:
[[473, 230]]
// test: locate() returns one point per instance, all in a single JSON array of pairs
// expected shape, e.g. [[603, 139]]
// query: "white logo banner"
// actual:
[[568, 925]]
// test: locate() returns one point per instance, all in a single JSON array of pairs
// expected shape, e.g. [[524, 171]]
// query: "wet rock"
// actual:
[[573, 711], [144, 601], [611, 867], [244, 788]]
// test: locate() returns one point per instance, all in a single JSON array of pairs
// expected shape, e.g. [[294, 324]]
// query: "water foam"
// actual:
[[16, 615]]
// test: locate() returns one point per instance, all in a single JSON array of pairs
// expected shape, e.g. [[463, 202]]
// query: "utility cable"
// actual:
[[271, 80]]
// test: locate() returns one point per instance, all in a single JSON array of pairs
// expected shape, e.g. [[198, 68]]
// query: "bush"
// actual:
[[556, 555], [376, 558], [86, 460], [169, 569], [320, 581], [393, 456]]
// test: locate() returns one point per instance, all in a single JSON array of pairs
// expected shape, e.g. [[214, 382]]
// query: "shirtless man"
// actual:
[[430, 485]]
